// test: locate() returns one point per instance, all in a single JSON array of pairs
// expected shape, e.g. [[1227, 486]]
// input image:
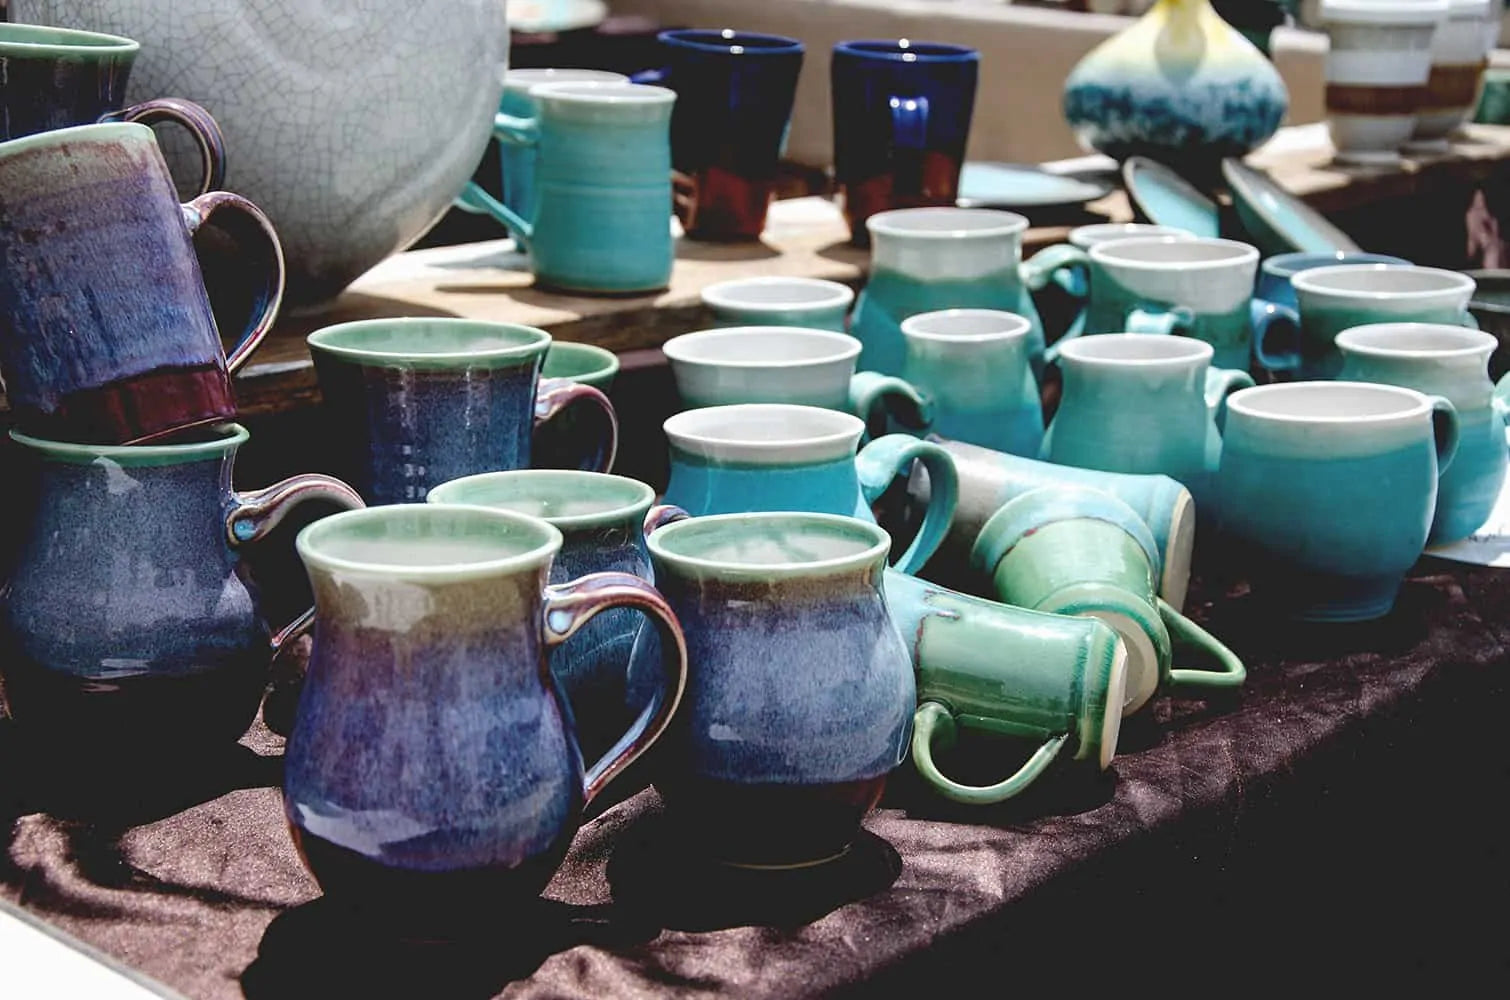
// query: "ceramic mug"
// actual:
[[1066, 265], [927, 259], [783, 364], [560, 442], [1331, 488], [517, 160], [993, 668], [1332, 299], [773, 761], [1078, 551], [600, 223], [433, 771], [1140, 404], [734, 94], [1193, 287], [601, 520], [776, 301], [130, 622], [779, 457], [974, 368], [1453, 363], [58, 77], [1276, 272], [417, 401], [1459, 56], [106, 329], [585, 363], [901, 117]]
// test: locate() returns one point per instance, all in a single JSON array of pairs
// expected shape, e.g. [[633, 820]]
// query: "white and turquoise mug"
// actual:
[[1329, 489], [771, 300]]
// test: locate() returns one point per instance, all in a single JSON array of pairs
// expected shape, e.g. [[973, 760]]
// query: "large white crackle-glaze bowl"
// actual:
[[352, 123]]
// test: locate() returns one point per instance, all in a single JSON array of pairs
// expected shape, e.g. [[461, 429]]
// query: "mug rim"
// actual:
[[609, 515], [716, 295], [845, 347], [1241, 402], [1180, 349], [1130, 231], [1243, 253], [1306, 281], [898, 49], [1356, 339], [1017, 329], [844, 431], [995, 222], [1401, 12], [305, 543], [609, 363], [231, 436], [599, 92], [1276, 266], [540, 341], [87, 41], [78, 133], [722, 40], [527, 78], [879, 548]]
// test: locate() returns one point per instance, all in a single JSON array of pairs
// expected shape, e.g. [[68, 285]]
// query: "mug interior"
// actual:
[[1157, 251], [1327, 402], [1407, 340], [426, 540], [946, 223], [433, 339], [770, 543], [777, 293], [1086, 237], [761, 346], [1392, 280], [603, 92], [966, 324], [1287, 265], [765, 432], [531, 77], [564, 497], [1135, 348]]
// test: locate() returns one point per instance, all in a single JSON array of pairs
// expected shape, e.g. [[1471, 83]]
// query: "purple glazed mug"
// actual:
[[107, 334]]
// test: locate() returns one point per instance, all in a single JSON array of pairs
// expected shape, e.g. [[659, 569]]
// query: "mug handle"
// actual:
[[1172, 321], [887, 457], [1269, 316], [1230, 674], [515, 131], [247, 226], [1500, 401], [569, 606], [554, 395], [255, 513], [1221, 383], [200, 124], [1444, 430], [1064, 264], [933, 721], [874, 398]]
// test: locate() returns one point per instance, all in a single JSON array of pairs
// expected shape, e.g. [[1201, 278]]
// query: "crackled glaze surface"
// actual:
[[352, 127]]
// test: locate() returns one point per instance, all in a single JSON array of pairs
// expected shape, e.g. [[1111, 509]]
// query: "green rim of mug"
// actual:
[[585, 363], [496, 489], [529, 343], [537, 551], [105, 132], [139, 456], [725, 528], [45, 40]]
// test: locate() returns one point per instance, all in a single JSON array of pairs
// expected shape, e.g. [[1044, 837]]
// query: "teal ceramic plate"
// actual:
[[1164, 197], [1277, 221], [1024, 187], [545, 16]]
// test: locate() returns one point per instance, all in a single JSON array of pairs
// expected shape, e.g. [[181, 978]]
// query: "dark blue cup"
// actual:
[[901, 117], [734, 93]]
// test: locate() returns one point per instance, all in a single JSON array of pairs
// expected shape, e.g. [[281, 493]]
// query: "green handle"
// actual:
[[477, 201], [933, 720], [1230, 674], [1501, 400], [1221, 383], [1063, 264], [1173, 321], [874, 397], [887, 457], [1444, 425], [515, 130]]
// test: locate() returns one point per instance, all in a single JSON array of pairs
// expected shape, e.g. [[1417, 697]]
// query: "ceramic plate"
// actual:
[[545, 16], [1162, 196], [1277, 221], [1020, 186]]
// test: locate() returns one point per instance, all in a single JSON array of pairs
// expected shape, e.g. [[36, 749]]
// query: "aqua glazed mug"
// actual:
[[778, 457], [774, 760], [1076, 551], [1066, 265], [1333, 299], [927, 259], [414, 402], [783, 364], [1329, 488], [1276, 273], [1053, 679], [601, 519], [989, 479], [1451, 362], [130, 619], [974, 366], [1132, 403], [433, 771], [601, 222], [777, 301]]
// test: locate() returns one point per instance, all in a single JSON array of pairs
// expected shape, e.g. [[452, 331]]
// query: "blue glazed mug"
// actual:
[[974, 367], [783, 364], [433, 772], [517, 160], [1451, 362], [800, 692], [131, 623], [107, 332], [780, 457], [1330, 487], [601, 216], [734, 93], [1275, 272], [414, 402], [778, 301], [901, 117]]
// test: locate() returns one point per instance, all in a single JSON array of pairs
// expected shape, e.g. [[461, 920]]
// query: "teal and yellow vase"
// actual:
[[1181, 86]]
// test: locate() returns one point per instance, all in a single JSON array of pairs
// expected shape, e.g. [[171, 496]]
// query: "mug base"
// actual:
[[1330, 599], [1430, 147], [569, 286]]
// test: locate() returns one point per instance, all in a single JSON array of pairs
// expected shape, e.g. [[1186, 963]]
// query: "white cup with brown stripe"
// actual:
[[1459, 56], [1376, 73]]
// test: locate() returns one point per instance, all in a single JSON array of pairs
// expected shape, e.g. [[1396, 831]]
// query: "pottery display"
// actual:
[[1459, 56], [391, 118], [1180, 86]]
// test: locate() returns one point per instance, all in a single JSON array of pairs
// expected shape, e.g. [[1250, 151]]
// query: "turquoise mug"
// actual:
[[976, 369], [1329, 489], [779, 457], [601, 219], [1276, 273], [1067, 266], [779, 301]]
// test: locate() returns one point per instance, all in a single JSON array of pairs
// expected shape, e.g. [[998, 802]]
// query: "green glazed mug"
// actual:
[[584, 363], [1084, 552]]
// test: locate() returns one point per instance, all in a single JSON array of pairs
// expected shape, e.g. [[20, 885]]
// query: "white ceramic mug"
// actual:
[[779, 301]]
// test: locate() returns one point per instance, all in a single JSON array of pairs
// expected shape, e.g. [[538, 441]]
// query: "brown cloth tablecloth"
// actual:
[[1343, 817]]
